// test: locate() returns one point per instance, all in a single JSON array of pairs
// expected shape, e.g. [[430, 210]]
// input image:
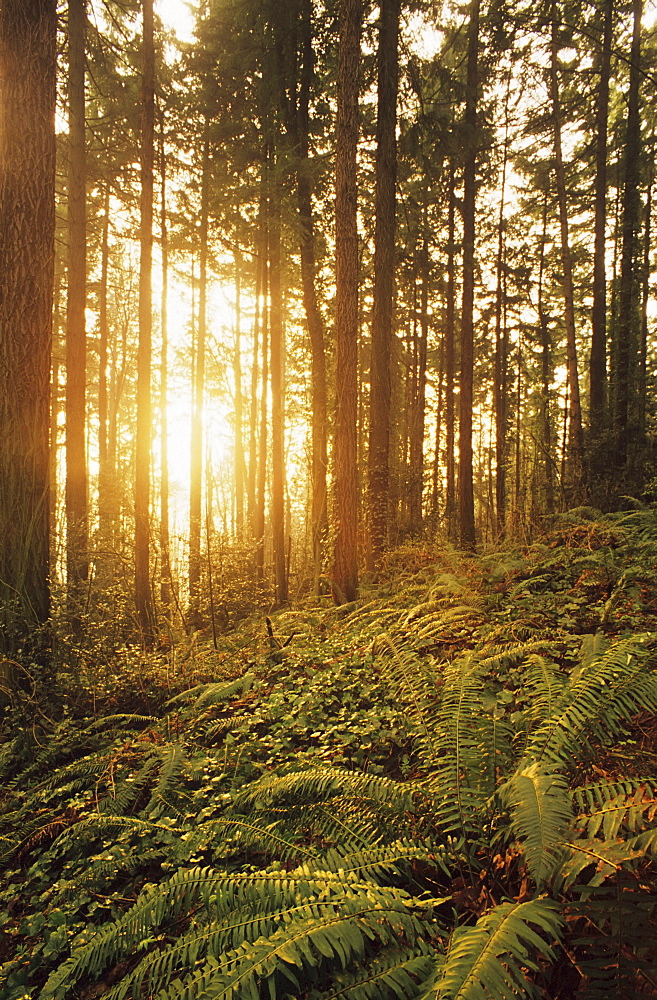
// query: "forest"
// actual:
[[328, 499]]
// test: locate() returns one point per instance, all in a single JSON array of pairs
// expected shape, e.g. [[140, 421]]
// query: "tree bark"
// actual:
[[27, 220], [575, 469], [345, 563], [450, 364], [165, 545], [277, 349], [625, 376], [143, 595], [196, 444], [384, 267], [466, 489], [77, 561], [239, 466], [598, 358]]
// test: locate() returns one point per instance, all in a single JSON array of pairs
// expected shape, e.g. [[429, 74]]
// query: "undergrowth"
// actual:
[[447, 789]]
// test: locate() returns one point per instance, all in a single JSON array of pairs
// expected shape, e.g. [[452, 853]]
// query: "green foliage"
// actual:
[[438, 794]]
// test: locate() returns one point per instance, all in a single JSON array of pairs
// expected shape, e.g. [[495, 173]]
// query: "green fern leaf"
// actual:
[[541, 812]]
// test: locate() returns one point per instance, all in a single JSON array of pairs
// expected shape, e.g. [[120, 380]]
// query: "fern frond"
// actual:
[[541, 812], [491, 959], [597, 703], [400, 973], [203, 695], [456, 750]]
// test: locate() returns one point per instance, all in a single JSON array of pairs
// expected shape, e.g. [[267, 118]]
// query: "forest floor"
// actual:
[[445, 789]]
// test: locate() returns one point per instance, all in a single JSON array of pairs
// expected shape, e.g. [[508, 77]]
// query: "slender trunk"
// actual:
[[77, 559], [55, 408], [103, 359], [575, 438], [259, 531], [466, 490], [384, 264], [253, 413], [625, 416], [450, 363], [196, 449], [165, 548], [345, 566], [598, 359], [501, 350], [416, 451], [144, 599], [239, 472], [277, 354], [314, 320], [546, 373], [645, 298]]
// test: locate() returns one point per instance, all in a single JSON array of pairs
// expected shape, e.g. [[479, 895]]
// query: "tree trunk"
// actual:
[[196, 448], [501, 348], [316, 334], [625, 376], [143, 594], [77, 560], [165, 545], [450, 364], [239, 470], [575, 435], [104, 477], [598, 358], [27, 220], [466, 490], [546, 373], [384, 267], [416, 444], [345, 565], [259, 521], [277, 340], [642, 388]]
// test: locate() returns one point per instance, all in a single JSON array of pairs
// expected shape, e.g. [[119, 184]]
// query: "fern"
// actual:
[[541, 813], [600, 698], [491, 959]]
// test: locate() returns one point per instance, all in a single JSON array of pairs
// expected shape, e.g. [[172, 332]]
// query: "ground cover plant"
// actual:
[[447, 789]]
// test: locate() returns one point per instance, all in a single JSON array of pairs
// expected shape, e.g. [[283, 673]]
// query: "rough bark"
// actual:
[[450, 364], [598, 357], [143, 596], [77, 560], [384, 266], [575, 465], [277, 355], [466, 489], [345, 563], [165, 554], [239, 465], [198, 391], [27, 219], [627, 348]]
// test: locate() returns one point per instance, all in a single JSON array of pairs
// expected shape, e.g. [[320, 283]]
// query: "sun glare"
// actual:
[[177, 14]]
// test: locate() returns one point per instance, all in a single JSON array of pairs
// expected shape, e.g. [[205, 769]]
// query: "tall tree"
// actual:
[[277, 364], [598, 358], [628, 332], [296, 61], [165, 553], [575, 465], [384, 268], [76, 349], [28, 32], [345, 564], [196, 460], [143, 596], [466, 398]]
